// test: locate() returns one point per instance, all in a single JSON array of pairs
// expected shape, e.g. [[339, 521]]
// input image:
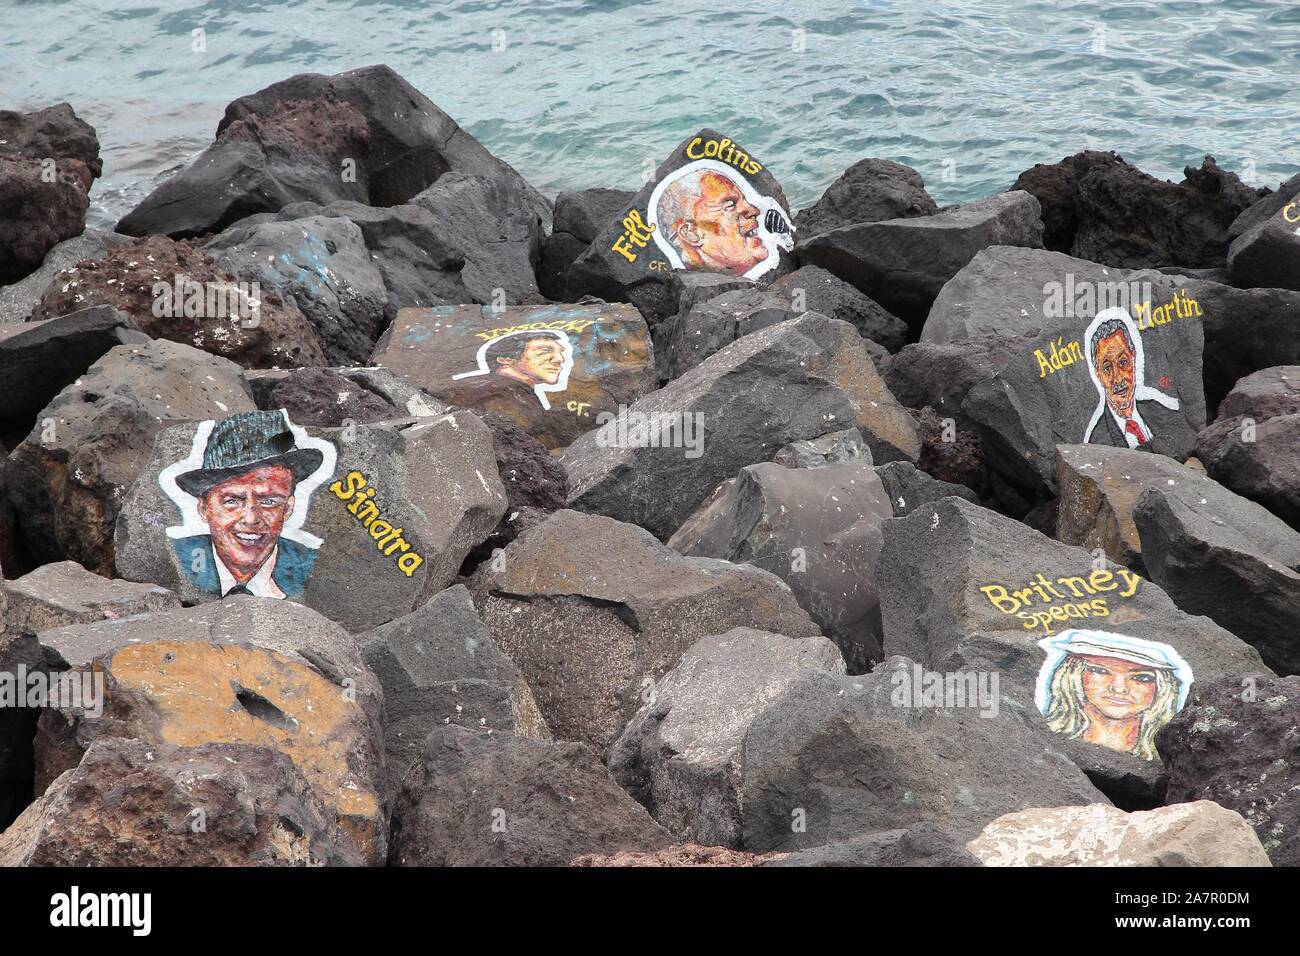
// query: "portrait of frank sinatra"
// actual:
[[245, 491], [1115, 364]]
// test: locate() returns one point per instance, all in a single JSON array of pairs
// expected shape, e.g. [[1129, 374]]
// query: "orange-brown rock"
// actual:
[[247, 671]]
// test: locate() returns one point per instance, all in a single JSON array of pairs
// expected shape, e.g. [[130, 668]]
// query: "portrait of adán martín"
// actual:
[[1127, 408], [243, 495]]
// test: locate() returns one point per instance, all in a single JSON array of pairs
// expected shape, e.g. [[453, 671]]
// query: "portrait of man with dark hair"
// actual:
[[243, 494], [532, 361], [1115, 364]]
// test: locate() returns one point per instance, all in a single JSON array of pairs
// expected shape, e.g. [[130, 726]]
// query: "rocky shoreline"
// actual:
[[363, 506]]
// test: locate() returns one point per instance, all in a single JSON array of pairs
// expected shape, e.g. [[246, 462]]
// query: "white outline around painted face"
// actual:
[[544, 371], [718, 221]]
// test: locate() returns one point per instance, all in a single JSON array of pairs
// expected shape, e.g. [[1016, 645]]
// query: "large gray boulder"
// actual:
[[1217, 554], [797, 380], [680, 755], [439, 666], [322, 264], [1268, 254], [1011, 292], [293, 141], [871, 190], [835, 757], [903, 263], [62, 593], [688, 338], [595, 612], [1212, 551], [1066, 364], [467, 238], [552, 369], [69, 476], [1265, 207], [579, 217], [908, 487], [1254, 446], [243, 671], [494, 799], [816, 529], [965, 590], [40, 359]]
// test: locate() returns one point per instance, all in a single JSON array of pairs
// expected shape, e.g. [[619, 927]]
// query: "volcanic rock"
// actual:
[[494, 799], [388, 514], [967, 591], [680, 754], [871, 190], [1235, 743], [556, 370], [48, 160], [634, 258], [833, 757], [322, 265], [69, 476], [135, 803], [439, 666], [594, 612], [579, 218], [795, 381], [365, 135], [174, 290], [816, 529], [903, 263], [245, 671]]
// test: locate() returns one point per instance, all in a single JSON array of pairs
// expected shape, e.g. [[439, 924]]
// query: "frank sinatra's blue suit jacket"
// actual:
[[293, 564]]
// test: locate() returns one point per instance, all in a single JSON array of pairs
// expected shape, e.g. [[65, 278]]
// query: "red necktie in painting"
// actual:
[[1135, 430]]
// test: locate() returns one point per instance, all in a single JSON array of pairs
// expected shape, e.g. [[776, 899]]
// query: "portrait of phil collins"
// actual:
[[538, 360], [1115, 363], [708, 218], [1110, 689], [243, 493]]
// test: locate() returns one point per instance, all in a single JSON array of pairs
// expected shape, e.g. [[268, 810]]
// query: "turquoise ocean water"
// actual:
[[577, 94]]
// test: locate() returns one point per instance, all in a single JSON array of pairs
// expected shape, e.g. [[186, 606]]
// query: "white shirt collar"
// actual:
[[261, 584]]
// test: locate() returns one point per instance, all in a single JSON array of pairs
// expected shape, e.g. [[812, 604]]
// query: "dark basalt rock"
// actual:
[[871, 190]]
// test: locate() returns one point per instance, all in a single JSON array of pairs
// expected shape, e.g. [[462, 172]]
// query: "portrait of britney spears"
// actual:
[[706, 217], [1111, 690], [243, 494]]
